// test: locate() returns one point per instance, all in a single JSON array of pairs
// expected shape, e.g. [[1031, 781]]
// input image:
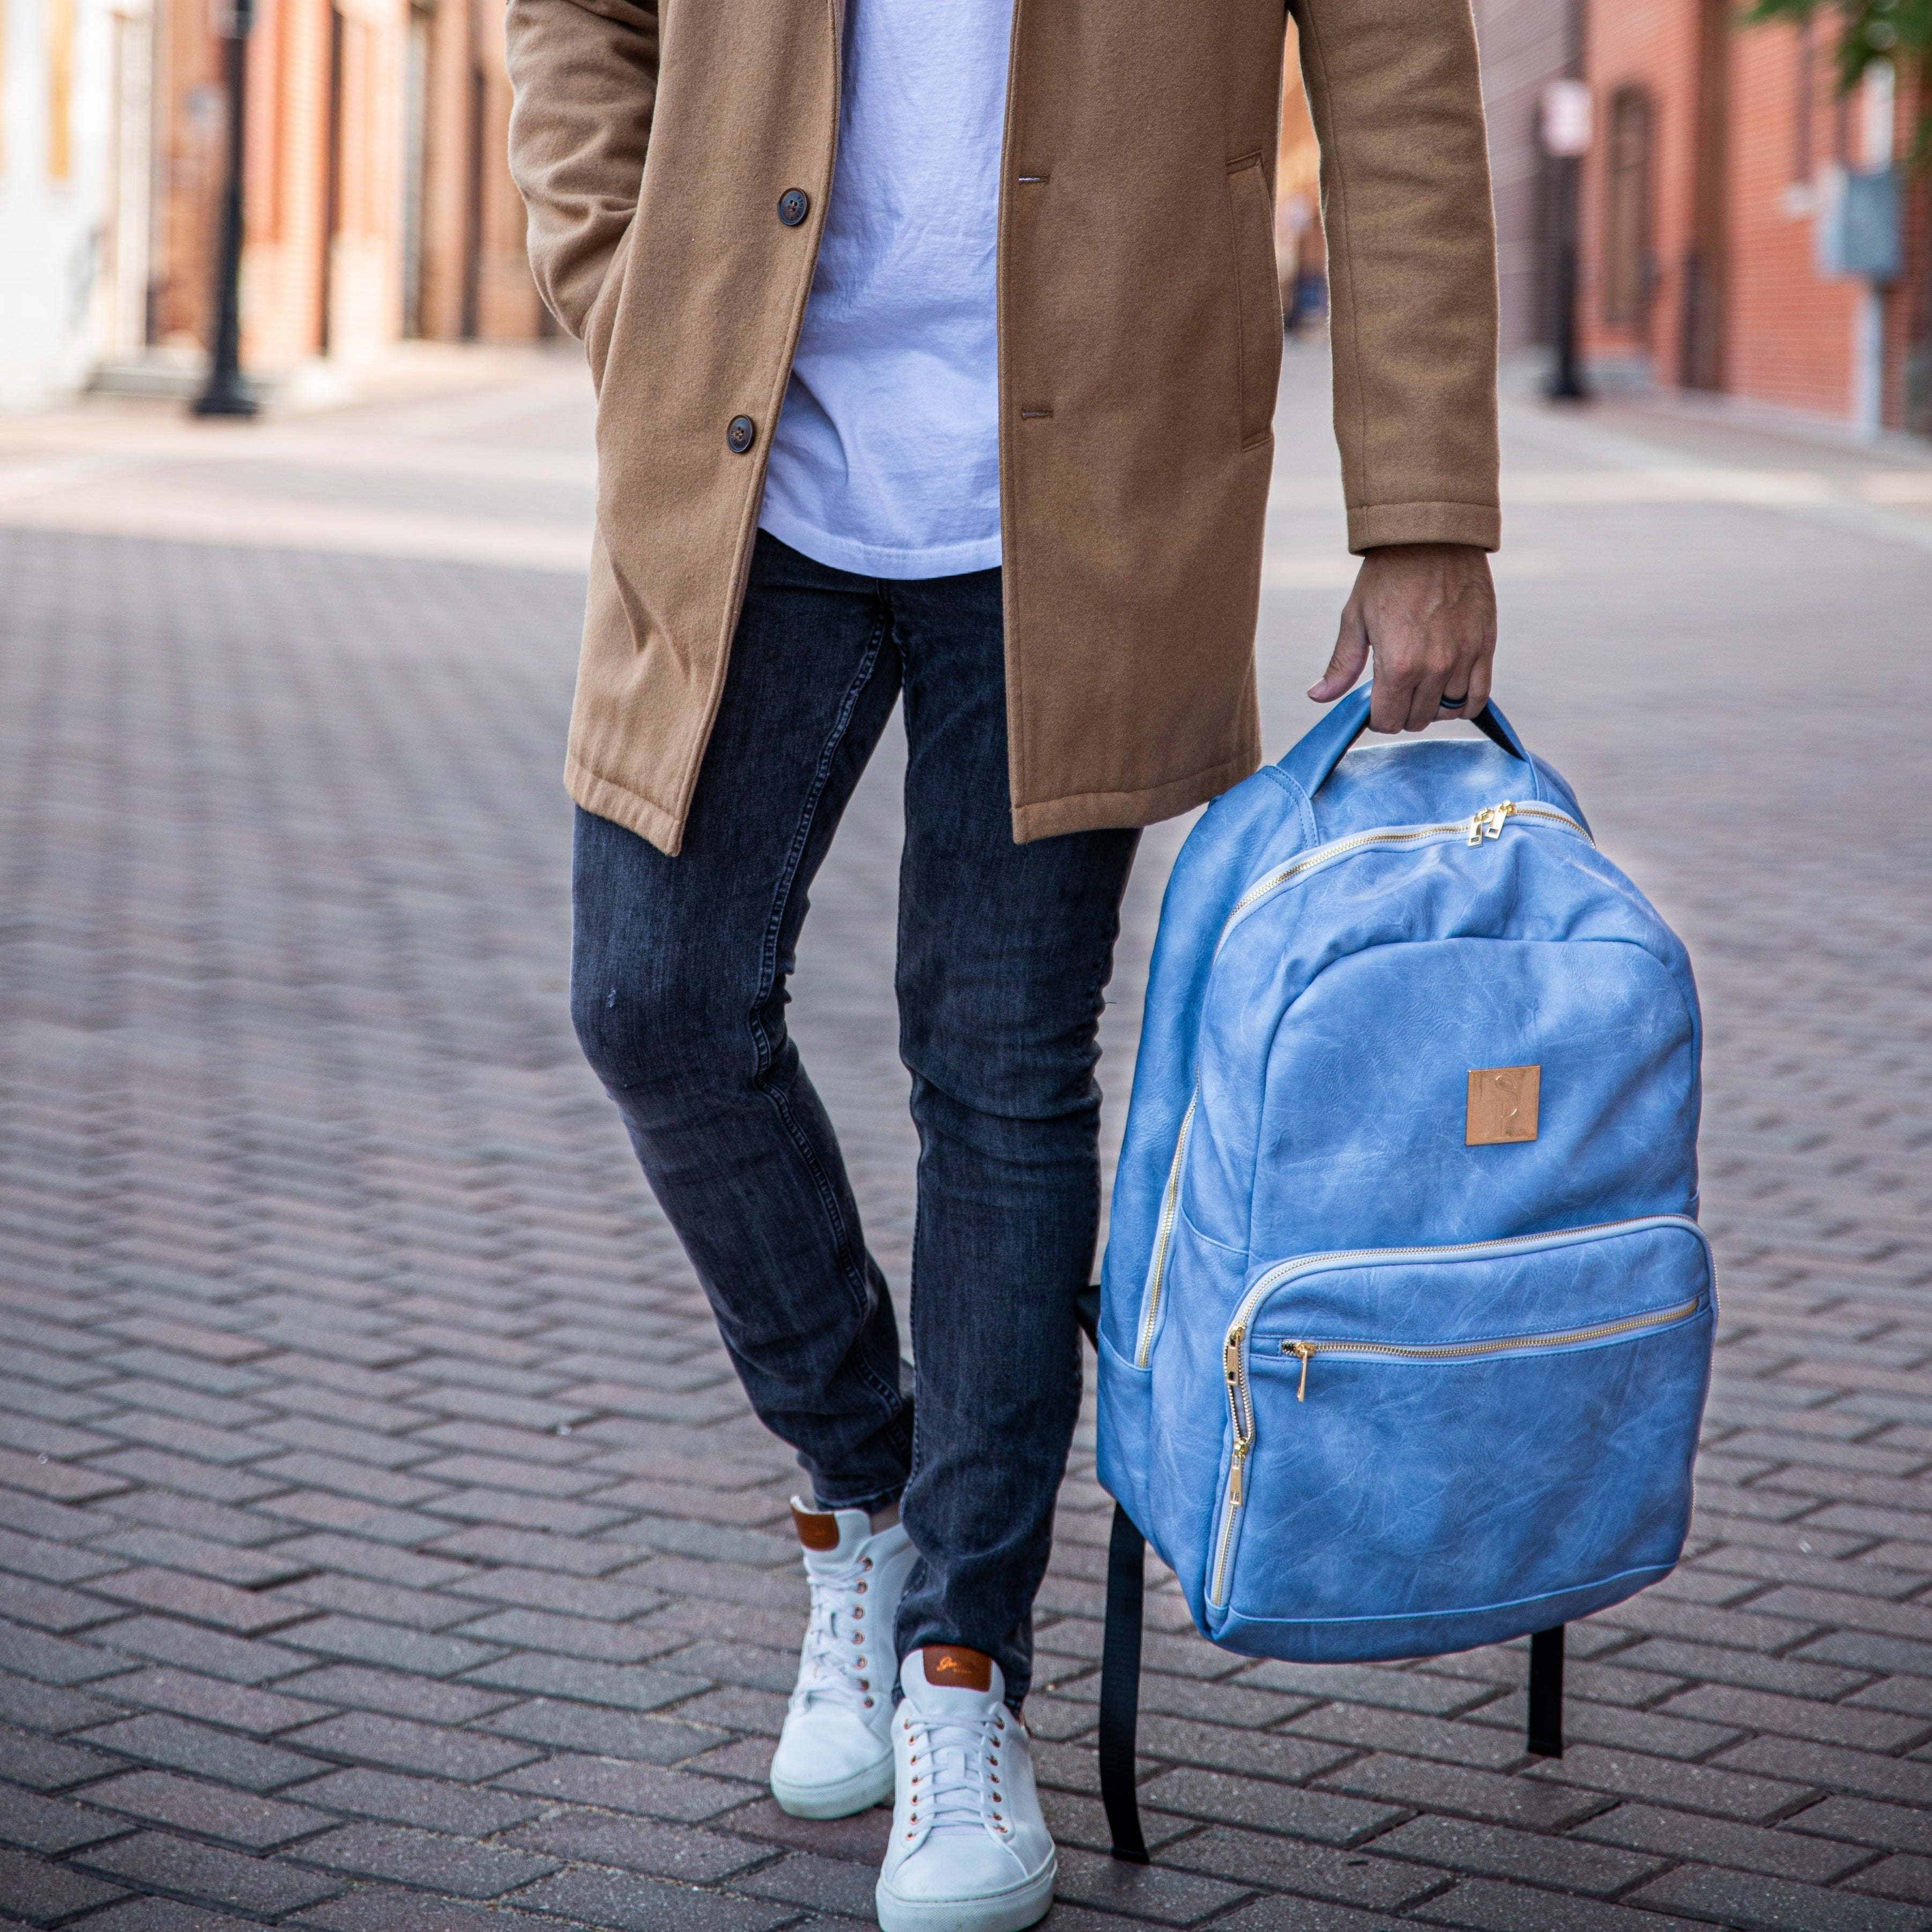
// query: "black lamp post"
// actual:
[[1566, 382], [227, 394], [1566, 133]]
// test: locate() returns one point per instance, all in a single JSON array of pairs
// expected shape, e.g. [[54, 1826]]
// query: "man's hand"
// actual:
[[1428, 612]]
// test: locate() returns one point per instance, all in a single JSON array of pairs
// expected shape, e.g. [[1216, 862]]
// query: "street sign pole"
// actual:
[[227, 393]]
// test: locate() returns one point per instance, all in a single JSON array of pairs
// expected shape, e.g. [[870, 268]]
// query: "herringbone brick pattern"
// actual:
[[384, 1545]]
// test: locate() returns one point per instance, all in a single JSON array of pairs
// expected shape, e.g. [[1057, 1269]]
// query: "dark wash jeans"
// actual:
[[678, 991]]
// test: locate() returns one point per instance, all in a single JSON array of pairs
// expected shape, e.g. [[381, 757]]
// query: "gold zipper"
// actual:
[[1305, 1352], [1235, 1372], [1170, 1202], [1233, 1354], [1486, 824]]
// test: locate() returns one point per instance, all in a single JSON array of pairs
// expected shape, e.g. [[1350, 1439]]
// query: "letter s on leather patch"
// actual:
[[1502, 1104], [954, 1664]]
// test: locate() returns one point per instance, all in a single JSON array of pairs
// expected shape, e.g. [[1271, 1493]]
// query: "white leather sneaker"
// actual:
[[835, 1755], [970, 1851]]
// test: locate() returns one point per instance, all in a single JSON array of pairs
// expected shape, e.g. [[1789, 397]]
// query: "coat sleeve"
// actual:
[[1396, 93], [584, 76]]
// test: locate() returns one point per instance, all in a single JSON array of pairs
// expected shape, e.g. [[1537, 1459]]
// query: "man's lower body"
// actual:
[[678, 991]]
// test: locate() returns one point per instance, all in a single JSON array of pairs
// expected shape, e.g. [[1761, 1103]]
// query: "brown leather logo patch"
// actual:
[[955, 1668], [818, 1529], [1502, 1104]]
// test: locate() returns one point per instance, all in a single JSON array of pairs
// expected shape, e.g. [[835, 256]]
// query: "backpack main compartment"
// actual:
[[1373, 1387]]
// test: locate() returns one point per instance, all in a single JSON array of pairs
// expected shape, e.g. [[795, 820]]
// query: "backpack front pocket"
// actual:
[[1431, 1448]]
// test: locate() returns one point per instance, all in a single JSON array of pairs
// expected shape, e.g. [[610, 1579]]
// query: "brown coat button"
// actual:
[[740, 434], [794, 204]]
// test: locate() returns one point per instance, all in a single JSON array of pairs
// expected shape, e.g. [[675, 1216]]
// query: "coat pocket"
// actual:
[[1257, 295], [600, 318], [1430, 1449]]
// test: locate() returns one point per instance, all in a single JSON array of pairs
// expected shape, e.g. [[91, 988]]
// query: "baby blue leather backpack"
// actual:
[[1405, 1320]]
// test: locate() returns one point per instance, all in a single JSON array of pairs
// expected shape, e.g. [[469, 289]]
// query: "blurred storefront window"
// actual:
[[1627, 267]]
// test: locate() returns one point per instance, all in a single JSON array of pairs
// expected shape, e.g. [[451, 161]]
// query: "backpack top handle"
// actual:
[[1317, 754]]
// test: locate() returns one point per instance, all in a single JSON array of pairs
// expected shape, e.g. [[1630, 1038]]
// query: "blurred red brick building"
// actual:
[[380, 204], [1714, 205]]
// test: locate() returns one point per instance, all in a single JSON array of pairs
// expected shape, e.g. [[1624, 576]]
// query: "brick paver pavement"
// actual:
[[384, 1544]]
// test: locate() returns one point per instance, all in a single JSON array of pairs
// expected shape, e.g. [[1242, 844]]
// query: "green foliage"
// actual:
[[1899, 31], [1869, 30]]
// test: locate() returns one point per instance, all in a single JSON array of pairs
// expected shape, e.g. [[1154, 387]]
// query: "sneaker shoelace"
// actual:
[[837, 1658], [958, 1774]]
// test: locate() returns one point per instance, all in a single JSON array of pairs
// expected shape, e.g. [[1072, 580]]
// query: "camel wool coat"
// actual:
[[658, 147]]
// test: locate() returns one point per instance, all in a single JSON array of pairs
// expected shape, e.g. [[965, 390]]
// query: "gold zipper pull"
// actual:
[[1231, 1352], [1476, 828], [1303, 1351], [1497, 813], [1241, 1445]]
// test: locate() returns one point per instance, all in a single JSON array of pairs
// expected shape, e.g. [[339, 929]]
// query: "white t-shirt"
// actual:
[[886, 461]]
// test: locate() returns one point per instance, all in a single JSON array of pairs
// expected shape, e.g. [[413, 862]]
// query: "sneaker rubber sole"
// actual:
[[1012, 1910], [859, 1793]]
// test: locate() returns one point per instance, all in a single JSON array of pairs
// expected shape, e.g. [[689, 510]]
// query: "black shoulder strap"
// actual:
[[1545, 1694], [1120, 1686], [1119, 1653]]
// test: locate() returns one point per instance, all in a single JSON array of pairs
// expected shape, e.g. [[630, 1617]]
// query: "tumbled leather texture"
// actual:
[[1324, 1028]]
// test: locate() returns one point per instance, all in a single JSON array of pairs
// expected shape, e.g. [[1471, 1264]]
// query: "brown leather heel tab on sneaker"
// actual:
[[818, 1529], [953, 1667]]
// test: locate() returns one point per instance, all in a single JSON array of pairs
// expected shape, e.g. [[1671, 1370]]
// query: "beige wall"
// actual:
[[74, 191]]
